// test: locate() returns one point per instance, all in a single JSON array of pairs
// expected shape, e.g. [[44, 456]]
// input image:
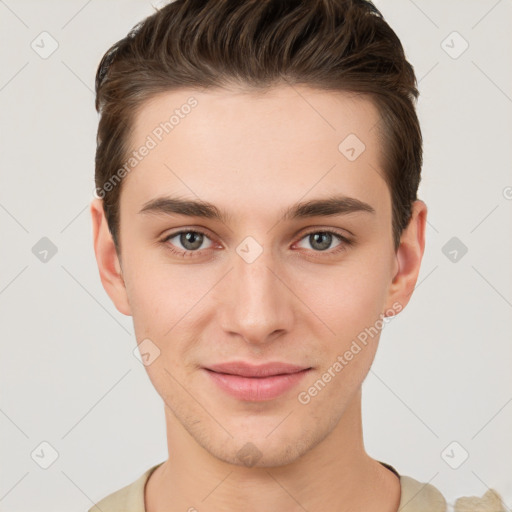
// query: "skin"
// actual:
[[254, 155]]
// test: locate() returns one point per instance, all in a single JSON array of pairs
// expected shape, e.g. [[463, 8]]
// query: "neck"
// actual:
[[336, 474]]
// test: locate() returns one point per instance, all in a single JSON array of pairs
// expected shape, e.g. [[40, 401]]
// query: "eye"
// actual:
[[322, 240], [190, 240]]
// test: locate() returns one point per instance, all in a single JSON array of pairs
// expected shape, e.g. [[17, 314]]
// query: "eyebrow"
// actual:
[[330, 206]]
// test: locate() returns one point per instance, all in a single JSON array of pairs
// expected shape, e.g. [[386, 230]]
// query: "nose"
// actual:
[[257, 305]]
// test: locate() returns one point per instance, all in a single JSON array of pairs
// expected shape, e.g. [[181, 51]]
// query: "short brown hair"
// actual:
[[334, 45]]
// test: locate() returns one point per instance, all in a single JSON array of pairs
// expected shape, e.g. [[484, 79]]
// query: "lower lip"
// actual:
[[256, 389]]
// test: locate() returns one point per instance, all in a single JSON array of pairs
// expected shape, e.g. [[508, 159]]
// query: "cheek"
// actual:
[[151, 297], [158, 291], [170, 307], [146, 301], [350, 303], [348, 297]]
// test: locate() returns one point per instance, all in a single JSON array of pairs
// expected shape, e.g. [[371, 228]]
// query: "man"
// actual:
[[257, 215]]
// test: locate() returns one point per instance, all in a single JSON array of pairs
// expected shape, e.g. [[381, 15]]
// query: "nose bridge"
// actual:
[[259, 304]]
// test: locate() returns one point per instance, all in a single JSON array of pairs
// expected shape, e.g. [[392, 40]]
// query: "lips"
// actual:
[[249, 370], [256, 383]]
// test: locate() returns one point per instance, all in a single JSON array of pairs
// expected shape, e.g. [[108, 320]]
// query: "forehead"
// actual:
[[276, 145], [287, 112]]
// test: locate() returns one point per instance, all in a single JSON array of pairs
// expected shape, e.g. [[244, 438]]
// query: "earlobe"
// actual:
[[408, 256], [107, 259]]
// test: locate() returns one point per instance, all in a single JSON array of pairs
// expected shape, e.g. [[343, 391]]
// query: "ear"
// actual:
[[109, 265], [408, 257]]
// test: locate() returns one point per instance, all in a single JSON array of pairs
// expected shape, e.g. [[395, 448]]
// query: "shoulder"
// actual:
[[420, 497], [424, 497], [129, 498]]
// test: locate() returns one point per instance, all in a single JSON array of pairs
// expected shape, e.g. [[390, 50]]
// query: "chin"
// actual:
[[258, 448], [260, 454]]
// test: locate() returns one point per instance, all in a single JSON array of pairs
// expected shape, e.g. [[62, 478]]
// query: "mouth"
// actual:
[[249, 382]]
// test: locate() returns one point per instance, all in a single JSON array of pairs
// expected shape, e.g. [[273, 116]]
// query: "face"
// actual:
[[266, 272]]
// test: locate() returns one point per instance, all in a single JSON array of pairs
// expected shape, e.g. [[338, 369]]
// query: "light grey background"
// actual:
[[68, 374]]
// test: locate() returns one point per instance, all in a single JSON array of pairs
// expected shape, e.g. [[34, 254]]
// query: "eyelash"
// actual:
[[344, 242]]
